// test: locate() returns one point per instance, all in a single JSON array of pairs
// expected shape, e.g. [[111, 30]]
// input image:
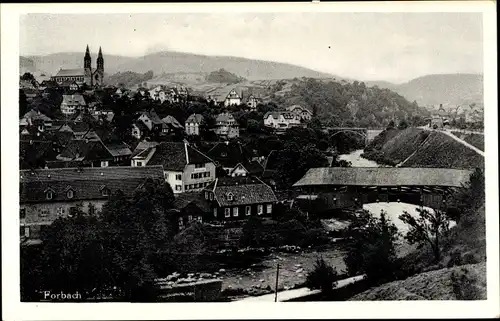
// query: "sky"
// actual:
[[394, 47]]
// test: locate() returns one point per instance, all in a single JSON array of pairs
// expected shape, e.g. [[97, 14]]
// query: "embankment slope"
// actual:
[[415, 147]]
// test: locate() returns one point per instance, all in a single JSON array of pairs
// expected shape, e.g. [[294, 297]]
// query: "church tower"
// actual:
[[99, 73], [87, 65]]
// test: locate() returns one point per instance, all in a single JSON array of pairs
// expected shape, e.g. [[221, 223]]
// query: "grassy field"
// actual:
[[293, 270], [442, 151], [433, 285], [476, 140]]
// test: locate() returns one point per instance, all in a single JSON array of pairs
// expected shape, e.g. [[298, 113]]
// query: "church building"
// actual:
[[86, 75]]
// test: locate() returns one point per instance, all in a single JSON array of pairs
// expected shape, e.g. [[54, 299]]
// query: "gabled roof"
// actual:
[[172, 122], [70, 72], [182, 201], [75, 99], [153, 116], [245, 191], [225, 117], [220, 94], [195, 118], [229, 154], [36, 115], [80, 149], [175, 156], [120, 149], [143, 128], [87, 183]]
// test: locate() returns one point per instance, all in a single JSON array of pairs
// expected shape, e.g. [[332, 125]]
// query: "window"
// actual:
[[211, 196], [215, 211], [178, 177], [60, 211], [178, 187], [22, 213], [190, 218], [139, 164], [235, 211], [248, 210], [229, 196], [227, 212], [208, 174], [104, 164], [49, 195], [206, 195], [199, 219], [260, 209], [44, 212], [70, 193], [105, 192], [186, 187], [25, 231], [269, 208]]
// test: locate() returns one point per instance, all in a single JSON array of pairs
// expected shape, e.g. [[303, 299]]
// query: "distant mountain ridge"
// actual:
[[446, 89], [172, 62]]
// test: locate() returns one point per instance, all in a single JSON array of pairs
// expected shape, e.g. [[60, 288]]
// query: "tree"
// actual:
[[402, 124], [391, 125], [253, 126], [371, 248], [28, 76], [323, 277], [428, 228]]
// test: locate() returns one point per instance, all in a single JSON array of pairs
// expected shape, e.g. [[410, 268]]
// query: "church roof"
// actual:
[[70, 72]]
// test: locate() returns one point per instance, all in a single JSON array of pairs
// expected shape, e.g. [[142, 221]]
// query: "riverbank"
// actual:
[[416, 147]]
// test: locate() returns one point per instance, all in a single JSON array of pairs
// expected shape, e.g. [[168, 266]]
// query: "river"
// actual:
[[393, 209]]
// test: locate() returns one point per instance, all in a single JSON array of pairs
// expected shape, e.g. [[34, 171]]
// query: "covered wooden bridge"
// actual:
[[351, 187]]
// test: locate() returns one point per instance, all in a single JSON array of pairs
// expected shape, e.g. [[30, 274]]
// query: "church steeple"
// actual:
[[100, 60], [87, 61]]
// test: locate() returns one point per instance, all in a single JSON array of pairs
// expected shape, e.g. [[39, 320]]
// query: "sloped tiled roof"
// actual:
[[225, 117], [245, 191], [118, 149], [172, 156], [171, 121], [70, 72], [153, 116], [372, 176], [80, 149], [87, 183], [195, 118], [229, 154], [36, 115], [75, 99], [192, 198]]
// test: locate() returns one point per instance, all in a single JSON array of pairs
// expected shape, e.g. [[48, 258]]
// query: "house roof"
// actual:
[[176, 155], [183, 200], [225, 117], [120, 149], [373, 176], [70, 72], [171, 121], [80, 149], [220, 94], [276, 114], [75, 99], [195, 118], [245, 190], [153, 116], [36, 115], [229, 154], [141, 126], [87, 183]]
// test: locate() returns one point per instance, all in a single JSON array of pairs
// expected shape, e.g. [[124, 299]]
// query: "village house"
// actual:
[[185, 167], [228, 96], [304, 113], [190, 207], [34, 118], [194, 124], [72, 103], [152, 121], [46, 194], [252, 101], [235, 159], [237, 198], [226, 126], [281, 120]]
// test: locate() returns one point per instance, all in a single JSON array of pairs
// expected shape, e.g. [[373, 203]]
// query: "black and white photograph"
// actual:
[[194, 154]]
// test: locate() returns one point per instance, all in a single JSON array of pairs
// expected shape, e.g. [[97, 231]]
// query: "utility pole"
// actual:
[[276, 287]]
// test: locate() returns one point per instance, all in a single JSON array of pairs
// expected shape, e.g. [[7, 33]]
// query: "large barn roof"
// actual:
[[385, 176]]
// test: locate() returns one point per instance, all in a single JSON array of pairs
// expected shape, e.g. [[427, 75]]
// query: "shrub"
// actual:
[[322, 277], [465, 286]]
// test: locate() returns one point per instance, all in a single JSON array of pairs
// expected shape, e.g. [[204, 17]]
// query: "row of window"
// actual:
[[195, 186], [200, 175], [49, 195], [60, 211], [248, 210], [69, 78], [190, 219]]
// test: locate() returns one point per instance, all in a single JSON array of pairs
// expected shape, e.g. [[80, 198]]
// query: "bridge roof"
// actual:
[[384, 176]]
